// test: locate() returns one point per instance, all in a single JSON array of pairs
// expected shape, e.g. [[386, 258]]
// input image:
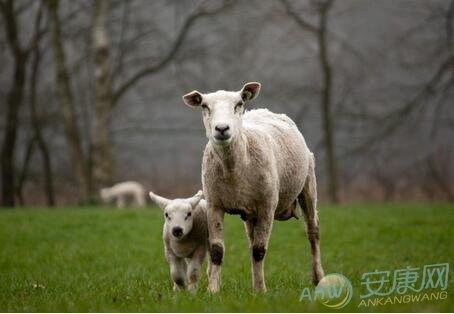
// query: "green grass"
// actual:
[[100, 259]]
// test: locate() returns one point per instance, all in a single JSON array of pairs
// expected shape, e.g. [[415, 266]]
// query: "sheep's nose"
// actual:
[[222, 127], [177, 232]]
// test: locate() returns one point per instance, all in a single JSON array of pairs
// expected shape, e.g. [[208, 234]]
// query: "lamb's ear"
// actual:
[[193, 99], [159, 200], [195, 199], [250, 91]]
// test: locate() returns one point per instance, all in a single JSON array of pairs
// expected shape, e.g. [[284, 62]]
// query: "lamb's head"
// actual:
[[105, 195], [223, 111], [178, 213]]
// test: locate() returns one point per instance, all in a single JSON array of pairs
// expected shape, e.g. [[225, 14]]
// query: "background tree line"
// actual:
[[91, 92]]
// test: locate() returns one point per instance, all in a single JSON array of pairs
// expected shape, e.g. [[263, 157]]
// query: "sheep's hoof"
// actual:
[[317, 275], [260, 289]]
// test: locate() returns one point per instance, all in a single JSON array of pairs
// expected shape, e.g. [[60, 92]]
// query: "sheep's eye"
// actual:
[[167, 216], [188, 215], [238, 105]]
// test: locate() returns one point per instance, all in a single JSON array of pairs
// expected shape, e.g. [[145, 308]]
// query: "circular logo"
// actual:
[[334, 291]]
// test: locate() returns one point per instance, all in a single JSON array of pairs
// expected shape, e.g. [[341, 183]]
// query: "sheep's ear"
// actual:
[[195, 199], [250, 91], [193, 99], [159, 200]]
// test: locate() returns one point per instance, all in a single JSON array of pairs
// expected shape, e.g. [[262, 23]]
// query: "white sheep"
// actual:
[[122, 191], [185, 238], [256, 164]]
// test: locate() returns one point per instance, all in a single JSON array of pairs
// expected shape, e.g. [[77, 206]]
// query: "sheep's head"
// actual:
[[223, 111], [178, 213]]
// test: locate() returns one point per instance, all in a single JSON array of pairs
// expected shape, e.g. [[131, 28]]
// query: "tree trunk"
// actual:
[[102, 152], [67, 104], [42, 145], [331, 162], [14, 102], [24, 170]]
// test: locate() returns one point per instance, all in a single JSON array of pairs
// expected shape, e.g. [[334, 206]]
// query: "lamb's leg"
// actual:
[[216, 238], [177, 272], [120, 201], [209, 268], [308, 203], [261, 235], [194, 266], [141, 200]]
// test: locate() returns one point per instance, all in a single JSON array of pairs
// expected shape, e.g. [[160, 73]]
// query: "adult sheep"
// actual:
[[256, 164]]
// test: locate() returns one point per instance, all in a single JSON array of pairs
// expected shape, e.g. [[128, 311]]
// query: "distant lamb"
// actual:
[[185, 237], [123, 191], [256, 164]]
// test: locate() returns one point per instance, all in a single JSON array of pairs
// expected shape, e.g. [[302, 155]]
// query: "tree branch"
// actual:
[[394, 118], [298, 19], [39, 33], [159, 130], [7, 10], [449, 24], [184, 30]]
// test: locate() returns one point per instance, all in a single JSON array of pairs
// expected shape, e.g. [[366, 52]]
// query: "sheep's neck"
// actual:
[[234, 155]]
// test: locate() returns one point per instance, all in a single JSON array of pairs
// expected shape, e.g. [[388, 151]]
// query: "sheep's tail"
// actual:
[[308, 197]]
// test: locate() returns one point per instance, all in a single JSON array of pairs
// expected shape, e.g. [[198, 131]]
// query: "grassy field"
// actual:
[[102, 259]]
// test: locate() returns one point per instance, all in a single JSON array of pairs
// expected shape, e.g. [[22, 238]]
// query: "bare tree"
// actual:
[[321, 33], [106, 97], [15, 95], [23, 172], [101, 150], [66, 100], [201, 11], [37, 126]]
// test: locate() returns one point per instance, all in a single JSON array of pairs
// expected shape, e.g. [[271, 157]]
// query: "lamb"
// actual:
[[255, 164], [185, 237], [121, 191]]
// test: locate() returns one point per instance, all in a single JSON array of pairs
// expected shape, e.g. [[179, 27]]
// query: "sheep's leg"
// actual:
[[308, 203], [260, 236], [194, 266], [216, 238], [249, 227]]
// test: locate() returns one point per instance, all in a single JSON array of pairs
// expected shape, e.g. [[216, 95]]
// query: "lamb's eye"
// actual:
[[238, 105], [188, 215], [167, 216]]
